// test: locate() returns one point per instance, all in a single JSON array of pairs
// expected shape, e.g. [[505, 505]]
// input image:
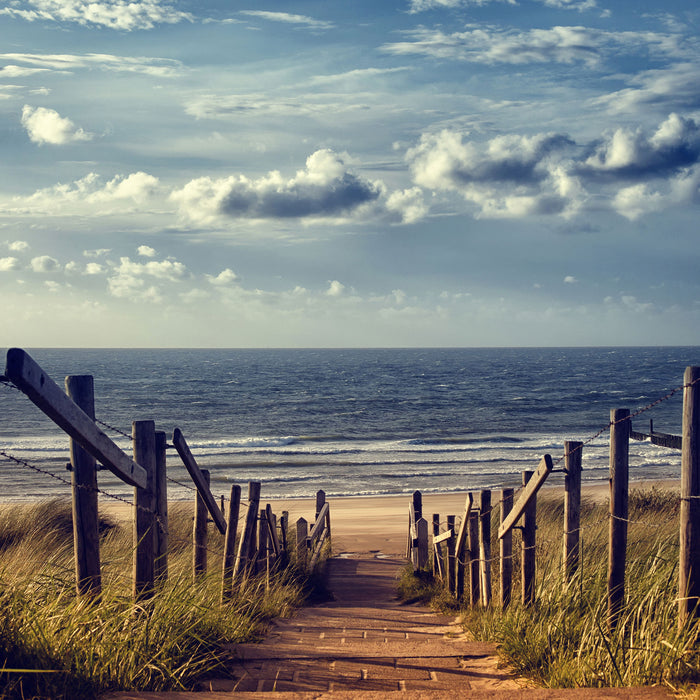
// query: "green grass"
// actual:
[[563, 640], [56, 645]]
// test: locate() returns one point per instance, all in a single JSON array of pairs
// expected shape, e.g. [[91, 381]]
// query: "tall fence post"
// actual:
[[506, 551], [619, 485], [485, 547], [529, 541], [438, 563], [161, 481], [474, 587], [320, 502], [143, 434], [230, 542], [86, 538], [689, 570], [200, 532], [572, 506], [451, 568], [302, 549]]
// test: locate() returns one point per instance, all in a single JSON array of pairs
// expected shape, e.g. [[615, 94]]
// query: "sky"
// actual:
[[349, 174]]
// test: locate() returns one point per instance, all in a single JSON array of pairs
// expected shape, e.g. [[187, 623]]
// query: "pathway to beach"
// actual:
[[366, 644]]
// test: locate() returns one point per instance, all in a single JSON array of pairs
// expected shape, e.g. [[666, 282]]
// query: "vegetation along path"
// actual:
[[366, 644]]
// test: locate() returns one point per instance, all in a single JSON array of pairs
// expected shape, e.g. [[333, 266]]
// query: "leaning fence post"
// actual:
[[161, 481], [144, 445], [200, 533], [506, 551], [529, 534], [86, 538], [438, 564], [246, 544], [572, 506], [619, 484], [689, 571], [230, 542], [422, 534], [485, 547]]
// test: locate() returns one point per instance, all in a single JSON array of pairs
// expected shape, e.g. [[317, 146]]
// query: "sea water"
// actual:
[[357, 421]]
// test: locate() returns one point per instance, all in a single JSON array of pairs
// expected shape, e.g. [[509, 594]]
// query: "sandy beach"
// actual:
[[377, 524]]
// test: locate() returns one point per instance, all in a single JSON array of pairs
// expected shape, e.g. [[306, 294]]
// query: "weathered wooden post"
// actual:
[[422, 549], [263, 555], [200, 532], [320, 502], [246, 544], [572, 506], [144, 445], [619, 484], [528, 552], [460, 548], [86, 537], [161, 480], [506, 551], [302, 549], [417, 497], [474, 558], [485, 547], [689, 569], [451, 545], [438, 564], [230, 542]]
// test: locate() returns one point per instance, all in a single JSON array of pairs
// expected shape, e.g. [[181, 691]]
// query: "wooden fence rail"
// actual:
[[469, 551], [262, 544]]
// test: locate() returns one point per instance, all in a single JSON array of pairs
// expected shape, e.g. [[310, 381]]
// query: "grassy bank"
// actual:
[[563, 640], [53, 644]]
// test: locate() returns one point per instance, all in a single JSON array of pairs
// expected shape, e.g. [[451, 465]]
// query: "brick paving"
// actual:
[[366, 644]]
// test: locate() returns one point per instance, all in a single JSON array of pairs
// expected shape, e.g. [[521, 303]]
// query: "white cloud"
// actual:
[[146, 251], [44, 264], [48, 126], [114, 14], [97, 253], [422, 5], [7, 264], [637, 200], [559, 44], [224, 278], [409, 204], [18, 246], [130, 279], [68, 63], [570, 279], [335, 289], [93, 268], [287, 18], [325, 188]]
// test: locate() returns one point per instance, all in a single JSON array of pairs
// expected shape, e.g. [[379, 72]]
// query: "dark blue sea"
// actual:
[[356, 422]]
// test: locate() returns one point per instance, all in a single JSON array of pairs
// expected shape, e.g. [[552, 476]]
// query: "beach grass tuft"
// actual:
[[54, 644]]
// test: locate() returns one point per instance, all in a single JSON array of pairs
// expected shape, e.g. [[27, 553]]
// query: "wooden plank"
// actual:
[[144, 531], [464, 526], [437, 539], [272, 530], [320, 524], [198, 478], [533, 486], [42, 391], [675, 442]]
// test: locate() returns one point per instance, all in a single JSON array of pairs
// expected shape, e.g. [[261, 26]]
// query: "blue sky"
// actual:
[[324, 174]]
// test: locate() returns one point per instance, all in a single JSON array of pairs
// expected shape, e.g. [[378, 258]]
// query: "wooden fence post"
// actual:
[[302, 534], [506, 551], [528, 553], [485, 547], [246, 544], [320, 502], [144, 445], [262, 559], [619, 484], [438, 564], [417, 504], [451, 569], [86, 537], [689, 570], [460, 548], [572, 506], [230, 542], [422, 549], [474, 558], [200, 532], [161, 481]]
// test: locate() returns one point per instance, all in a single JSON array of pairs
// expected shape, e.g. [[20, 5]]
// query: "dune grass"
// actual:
[[56, 645], [563, 640]]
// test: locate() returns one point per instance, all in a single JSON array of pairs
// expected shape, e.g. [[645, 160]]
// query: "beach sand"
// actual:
[[378, 524]]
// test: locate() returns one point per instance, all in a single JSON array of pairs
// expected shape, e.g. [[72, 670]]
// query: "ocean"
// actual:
[[356, 422]]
